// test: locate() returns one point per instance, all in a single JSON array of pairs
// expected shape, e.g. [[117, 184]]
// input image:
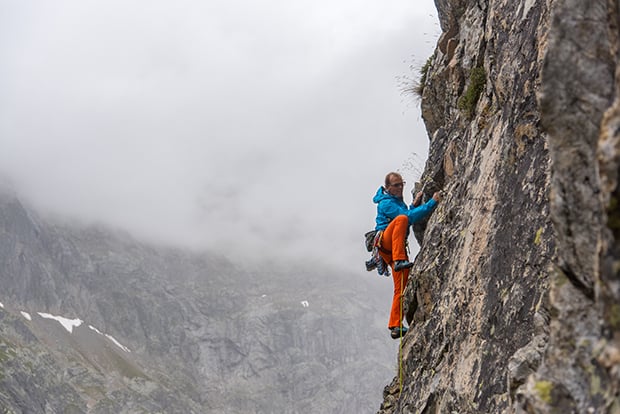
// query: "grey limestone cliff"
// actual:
[[514, 296]]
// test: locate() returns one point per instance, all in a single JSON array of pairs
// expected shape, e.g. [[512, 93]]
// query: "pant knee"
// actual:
[[402, 219]]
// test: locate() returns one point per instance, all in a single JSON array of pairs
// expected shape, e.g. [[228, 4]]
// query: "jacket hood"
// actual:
[[381, 195]]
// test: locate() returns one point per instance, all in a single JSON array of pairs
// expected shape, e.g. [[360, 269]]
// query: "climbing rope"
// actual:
[[400, 345]]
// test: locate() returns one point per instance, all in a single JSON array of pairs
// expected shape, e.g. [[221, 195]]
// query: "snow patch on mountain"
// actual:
[[68, 324], [111, 338]]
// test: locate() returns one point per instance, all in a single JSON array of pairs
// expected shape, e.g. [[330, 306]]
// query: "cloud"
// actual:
[[250, 127]]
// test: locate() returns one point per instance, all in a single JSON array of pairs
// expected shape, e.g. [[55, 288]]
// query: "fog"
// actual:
[[249, 128]]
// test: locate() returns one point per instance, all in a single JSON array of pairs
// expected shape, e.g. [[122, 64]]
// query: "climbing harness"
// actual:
[[373, 244]]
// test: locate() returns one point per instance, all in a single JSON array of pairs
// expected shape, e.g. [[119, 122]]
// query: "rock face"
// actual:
[[166, 331], [514, 298]]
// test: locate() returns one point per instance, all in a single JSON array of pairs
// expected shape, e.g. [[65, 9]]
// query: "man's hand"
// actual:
[[437, 196], [418, 199]]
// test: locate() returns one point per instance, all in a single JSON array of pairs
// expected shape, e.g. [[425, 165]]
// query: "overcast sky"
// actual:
[[244, 126]]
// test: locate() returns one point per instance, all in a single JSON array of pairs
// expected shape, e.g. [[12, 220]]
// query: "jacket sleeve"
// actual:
[[420, 212]]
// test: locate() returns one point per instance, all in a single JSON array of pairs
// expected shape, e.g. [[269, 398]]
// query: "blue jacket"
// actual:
[[388, 207]]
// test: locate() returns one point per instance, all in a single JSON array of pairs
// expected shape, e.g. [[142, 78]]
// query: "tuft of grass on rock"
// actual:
[[419, 89], [412, 87]]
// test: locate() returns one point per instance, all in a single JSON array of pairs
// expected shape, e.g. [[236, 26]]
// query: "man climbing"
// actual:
[[393, 220]]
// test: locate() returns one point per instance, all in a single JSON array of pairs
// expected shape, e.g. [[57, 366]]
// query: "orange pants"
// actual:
[[392, 249]]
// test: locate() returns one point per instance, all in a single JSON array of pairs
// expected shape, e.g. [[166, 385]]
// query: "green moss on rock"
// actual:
[[613, 316], [467, 102], [613, 214]]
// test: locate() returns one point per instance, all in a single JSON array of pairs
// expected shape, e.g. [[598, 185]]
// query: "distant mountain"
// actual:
[[92, 321]]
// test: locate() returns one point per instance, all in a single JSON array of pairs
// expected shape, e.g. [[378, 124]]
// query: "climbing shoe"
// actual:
[[402, 264], [398, 331]]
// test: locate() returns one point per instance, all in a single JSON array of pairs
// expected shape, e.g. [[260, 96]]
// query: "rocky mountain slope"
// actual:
[[93, 322], [515, 293]]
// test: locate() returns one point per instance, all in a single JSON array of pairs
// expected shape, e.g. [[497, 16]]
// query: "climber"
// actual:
[[393, 220]]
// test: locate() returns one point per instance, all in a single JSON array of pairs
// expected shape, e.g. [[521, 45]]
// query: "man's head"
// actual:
[[394, 184]]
